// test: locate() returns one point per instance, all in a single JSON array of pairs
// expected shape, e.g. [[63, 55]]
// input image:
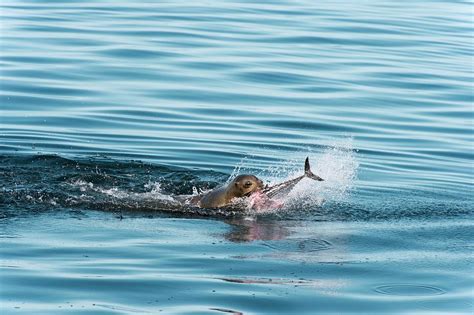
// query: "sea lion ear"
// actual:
[[236, 184]]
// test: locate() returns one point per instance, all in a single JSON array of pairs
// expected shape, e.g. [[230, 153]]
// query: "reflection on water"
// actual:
[[148, 264], [254, 229], [56, 249]]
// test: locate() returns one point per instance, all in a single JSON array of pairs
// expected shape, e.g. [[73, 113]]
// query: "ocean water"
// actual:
[[109, 110]]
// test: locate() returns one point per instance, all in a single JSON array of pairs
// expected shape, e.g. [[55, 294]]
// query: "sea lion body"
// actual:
[[241, 186]]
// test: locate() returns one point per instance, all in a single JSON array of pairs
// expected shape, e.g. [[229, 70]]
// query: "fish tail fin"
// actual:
[[308, 173]]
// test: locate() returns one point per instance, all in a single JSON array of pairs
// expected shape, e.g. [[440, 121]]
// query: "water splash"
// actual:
[[237, 169], [337, 164], [153, 192]]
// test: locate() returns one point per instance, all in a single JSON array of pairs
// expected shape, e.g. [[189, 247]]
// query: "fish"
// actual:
[[286, 186]]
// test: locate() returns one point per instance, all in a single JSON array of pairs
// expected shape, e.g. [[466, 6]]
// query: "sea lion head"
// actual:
[[244, 185]]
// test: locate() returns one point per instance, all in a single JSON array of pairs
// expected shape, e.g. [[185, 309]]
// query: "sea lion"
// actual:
[[240, 186], [251, 186]]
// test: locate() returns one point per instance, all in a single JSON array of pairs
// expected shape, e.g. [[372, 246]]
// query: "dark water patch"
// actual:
[[52, 29], [23, 103], [206, 65], [44, 60], [45, 89], [44, 74], [276, 78], [136, 53], [43, 182]]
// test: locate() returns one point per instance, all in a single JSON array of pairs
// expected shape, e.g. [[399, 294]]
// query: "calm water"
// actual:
[[109, 109]]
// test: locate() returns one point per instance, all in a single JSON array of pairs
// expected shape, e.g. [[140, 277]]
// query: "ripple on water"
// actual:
[[300, 245], [120, 308], [409, 290], [194, 88]]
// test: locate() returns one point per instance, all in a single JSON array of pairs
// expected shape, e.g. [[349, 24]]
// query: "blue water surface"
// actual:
[[108, 108]]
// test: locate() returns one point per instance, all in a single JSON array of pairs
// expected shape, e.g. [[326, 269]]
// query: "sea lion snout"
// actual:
[[259, 183]]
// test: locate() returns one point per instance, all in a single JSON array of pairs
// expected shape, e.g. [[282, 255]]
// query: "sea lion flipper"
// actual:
[[308, 173]]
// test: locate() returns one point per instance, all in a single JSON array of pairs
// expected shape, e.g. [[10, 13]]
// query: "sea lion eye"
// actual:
[[247, 184]]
